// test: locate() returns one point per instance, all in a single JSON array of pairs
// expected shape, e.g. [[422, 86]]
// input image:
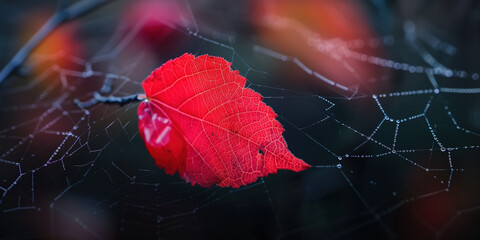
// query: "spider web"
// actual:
[[396, 156]]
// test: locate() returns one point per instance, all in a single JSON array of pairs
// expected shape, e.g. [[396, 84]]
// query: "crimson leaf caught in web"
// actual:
[[200, 120]]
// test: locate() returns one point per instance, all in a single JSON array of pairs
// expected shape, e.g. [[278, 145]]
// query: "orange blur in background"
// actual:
[[57, 48], [320, 34]]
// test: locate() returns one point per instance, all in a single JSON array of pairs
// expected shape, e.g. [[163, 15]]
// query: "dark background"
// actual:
[[73, 173]]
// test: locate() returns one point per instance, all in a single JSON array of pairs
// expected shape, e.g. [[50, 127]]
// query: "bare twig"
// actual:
[[61, 16], [98, 98]]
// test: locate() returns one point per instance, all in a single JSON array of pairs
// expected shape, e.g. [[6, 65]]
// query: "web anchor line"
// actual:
[[98, 98]]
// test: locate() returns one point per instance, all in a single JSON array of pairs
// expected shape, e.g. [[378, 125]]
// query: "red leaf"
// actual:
[[199, 120]]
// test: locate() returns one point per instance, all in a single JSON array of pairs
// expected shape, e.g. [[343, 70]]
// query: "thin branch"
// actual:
[[61, 16], [98, 98]]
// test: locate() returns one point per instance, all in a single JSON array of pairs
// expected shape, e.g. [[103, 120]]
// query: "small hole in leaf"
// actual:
[[261, 152]]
